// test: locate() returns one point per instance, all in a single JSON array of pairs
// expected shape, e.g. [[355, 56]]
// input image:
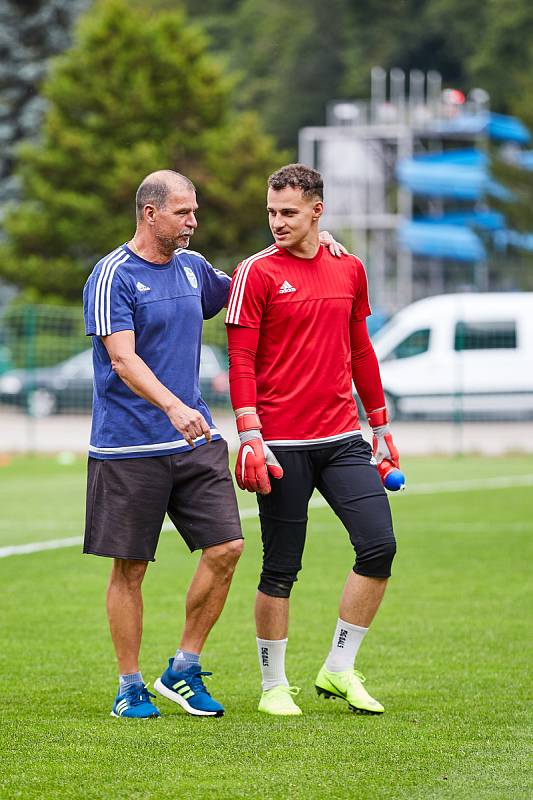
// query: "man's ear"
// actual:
[[318, 209], [149, 213]]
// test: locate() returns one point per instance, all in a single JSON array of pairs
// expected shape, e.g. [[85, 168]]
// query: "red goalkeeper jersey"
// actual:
[[302, 308]]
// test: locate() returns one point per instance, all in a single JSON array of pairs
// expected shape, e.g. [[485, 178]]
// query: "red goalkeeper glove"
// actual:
[[255, 459], [383, 446]]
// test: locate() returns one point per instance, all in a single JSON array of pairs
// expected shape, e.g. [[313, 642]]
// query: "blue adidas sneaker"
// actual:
[[135, 703], [187, 689]]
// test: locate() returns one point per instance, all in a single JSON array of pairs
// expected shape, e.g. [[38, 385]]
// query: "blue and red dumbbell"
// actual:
[[393, 478]]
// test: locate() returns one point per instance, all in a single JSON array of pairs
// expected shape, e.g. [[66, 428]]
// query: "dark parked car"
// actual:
[[68, 386]]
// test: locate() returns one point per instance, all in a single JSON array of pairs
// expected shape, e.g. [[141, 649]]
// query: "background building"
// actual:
[[409, 185]]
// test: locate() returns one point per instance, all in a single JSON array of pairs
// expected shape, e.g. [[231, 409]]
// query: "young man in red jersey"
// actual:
[[297, 336]]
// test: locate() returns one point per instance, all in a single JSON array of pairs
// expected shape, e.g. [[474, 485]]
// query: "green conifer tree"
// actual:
[[135, 93], [29, 34]]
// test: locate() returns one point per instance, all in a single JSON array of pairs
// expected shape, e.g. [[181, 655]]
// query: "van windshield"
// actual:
[[413, 345]]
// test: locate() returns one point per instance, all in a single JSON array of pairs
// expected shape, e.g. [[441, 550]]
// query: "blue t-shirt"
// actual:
[[165, 305]]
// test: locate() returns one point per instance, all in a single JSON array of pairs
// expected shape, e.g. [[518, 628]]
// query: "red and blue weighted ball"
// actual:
[[393, 478]]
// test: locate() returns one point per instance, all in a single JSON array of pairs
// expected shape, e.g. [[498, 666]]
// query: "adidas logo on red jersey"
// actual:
[[286, 288]]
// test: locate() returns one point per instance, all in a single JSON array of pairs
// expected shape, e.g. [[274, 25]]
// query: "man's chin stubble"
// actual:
[[168, 246]]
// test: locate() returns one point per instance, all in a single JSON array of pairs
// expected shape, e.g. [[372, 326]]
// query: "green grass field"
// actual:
[[447, 655]]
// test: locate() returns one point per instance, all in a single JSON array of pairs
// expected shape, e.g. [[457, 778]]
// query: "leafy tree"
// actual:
[[503, 64], [293, 57], [27, 40], [503, 60], [518, 216], [289, 56], [217, 17], [415, 34], [134, 94]]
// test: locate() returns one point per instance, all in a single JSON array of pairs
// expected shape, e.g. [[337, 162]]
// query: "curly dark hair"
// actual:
[[299, 177]]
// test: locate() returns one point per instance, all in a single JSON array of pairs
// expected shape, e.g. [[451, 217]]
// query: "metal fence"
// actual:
[[46, 361], [462, 361]]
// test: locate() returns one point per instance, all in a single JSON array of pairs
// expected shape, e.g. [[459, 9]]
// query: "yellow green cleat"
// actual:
[[347, 685], [278, 701]]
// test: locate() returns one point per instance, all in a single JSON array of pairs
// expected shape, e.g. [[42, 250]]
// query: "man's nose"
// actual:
[[191, 221]]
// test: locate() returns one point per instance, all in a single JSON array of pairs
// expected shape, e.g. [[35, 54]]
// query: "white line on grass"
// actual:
[[35, 547], [500, 482], [72, 541]]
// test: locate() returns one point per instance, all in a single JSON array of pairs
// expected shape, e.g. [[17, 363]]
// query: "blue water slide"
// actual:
[[483, 220], [508, 238], [440, 240], [462, 175], [455, 174], [500, 127], [503, 128], [467, 157], [524, 159]]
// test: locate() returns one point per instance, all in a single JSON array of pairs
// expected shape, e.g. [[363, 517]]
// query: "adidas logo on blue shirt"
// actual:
[[141, 287]]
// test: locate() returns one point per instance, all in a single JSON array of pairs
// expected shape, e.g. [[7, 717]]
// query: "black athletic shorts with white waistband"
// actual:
[[127, 500]]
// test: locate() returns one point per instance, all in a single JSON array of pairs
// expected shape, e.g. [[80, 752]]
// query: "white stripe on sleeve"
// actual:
[[238, 282], [237, 297], [102, 306], [98, 288], [108, 296]]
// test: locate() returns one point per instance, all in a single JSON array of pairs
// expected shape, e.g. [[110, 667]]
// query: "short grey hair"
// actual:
[[156, 187]]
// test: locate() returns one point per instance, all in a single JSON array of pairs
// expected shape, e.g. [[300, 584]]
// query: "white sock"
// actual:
[[344, 647], [271, 654]]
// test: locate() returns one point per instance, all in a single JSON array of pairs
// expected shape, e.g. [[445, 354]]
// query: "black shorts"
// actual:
[[127, 500], [346, 476]]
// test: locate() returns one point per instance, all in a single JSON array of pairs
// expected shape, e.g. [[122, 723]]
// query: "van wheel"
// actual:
[[392, 406]]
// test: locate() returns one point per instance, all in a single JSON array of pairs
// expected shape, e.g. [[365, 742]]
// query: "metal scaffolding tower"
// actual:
[[358, 151]]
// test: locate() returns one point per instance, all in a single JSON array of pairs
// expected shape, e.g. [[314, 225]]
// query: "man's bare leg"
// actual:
[[125, 611], [361, 599], [205, 600], [125, 614], [208, 591], [359, 603], [272, 626], [271, 616]]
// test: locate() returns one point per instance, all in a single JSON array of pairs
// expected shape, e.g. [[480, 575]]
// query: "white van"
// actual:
[[468, 354]]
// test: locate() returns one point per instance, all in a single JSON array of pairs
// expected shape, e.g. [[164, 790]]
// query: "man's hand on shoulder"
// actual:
[[255, 459], [334, 247], [189, 422]]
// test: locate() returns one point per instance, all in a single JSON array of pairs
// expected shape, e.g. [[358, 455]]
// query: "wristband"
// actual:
[[378, 417], [249, 421]]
